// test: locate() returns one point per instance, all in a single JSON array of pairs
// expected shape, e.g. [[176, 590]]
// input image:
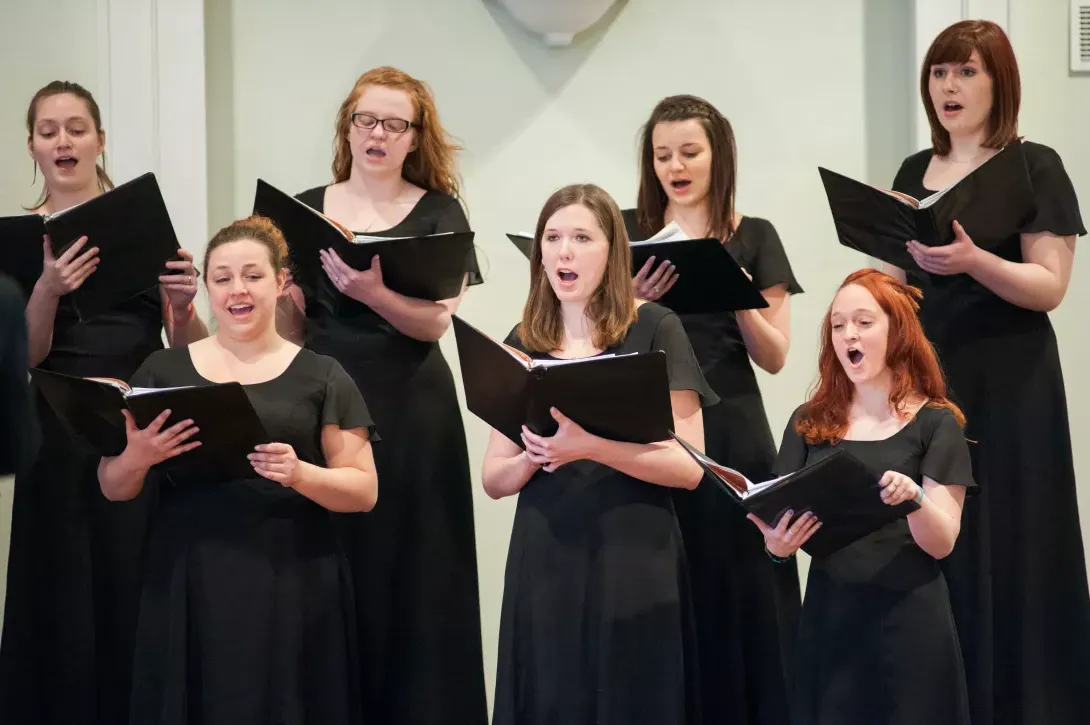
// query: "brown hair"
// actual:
[[57, 88], [258, 228], [431, 164], [612, 308], [651, 199], [909, 355], [955, 45]]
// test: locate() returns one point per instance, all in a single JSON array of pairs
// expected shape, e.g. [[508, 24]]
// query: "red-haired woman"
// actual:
[[1018, 576], [877, 642]]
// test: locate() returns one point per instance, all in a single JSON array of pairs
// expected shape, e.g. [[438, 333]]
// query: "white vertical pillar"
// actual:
[[151, 92]]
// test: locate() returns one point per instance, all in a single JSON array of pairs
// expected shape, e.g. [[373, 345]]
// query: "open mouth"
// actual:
[[240, 310], [681, 185], [951, 107], [376, 153], [67, 162], [854, 356], [566, 275]]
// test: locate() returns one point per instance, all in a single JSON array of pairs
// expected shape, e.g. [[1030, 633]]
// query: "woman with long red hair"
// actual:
[[877, 642]]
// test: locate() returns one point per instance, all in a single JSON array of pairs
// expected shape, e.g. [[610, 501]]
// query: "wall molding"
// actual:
[[151, 90]]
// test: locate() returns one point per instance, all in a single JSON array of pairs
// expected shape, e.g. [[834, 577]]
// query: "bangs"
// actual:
[[954, 47]]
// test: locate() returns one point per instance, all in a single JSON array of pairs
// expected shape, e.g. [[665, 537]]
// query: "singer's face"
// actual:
[[962, 95], [377, 150], [683, 160], [65, 143], [574, 252], [242, 287], [860, 333]]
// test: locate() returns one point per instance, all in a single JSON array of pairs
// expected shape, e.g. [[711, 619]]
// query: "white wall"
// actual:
[[72, 56], [534, 119], [1056, 112]]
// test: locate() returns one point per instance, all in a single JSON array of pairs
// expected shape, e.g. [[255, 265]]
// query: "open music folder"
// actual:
[[430, 267], [229, 426], [840, 490], [709, 280], [619, 397], [992, 202], [130, 226]]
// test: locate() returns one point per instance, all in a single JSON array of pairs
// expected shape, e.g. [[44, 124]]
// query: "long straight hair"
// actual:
[[612, 308], [651, 199]]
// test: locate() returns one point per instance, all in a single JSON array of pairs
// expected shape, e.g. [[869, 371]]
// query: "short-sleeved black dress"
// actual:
[[1018, 575], [747, 608], [596, 626], [247, 615], [877, 643], [73, 584], [414, 557]]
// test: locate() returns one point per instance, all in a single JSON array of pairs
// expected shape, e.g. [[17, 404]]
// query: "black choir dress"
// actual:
[[1018, 576], [18, 429], [747, 608], [414, 556], [877, 643], [597, 626], [76, 559], [247, 614]]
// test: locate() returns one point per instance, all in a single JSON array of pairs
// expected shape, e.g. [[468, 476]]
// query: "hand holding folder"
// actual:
[[709, 280], [619, 397], [431, 267], [992, 202], [840, 490], [229, 426], [129, 225]]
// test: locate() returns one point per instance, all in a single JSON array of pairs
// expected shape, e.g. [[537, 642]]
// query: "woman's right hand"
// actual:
[[650, 287], [149, 446], [784, 539], [64, 274]]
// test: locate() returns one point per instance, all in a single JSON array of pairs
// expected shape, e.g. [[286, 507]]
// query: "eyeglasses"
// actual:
[[392, 125]]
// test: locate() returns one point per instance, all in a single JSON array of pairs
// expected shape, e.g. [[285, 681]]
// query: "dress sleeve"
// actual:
[[453, 219], [1057, 205], [682, 367], [771, 267], [793, 449], [946, 456], [344, 406]]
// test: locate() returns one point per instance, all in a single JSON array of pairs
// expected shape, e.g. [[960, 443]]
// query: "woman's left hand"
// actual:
[[898, 488], [569, 443], [180, 283], [958, 257], [360, 285], [277, 462]]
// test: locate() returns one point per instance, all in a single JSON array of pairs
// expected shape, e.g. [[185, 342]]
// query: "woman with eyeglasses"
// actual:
[[413, 557]]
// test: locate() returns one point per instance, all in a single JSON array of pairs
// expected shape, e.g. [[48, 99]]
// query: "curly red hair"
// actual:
[[910, 358]]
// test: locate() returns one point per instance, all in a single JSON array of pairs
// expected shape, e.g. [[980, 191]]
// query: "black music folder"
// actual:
[[619, 397], [229, 426], [840, 490], [709, 278], [992, 202], [130, 226], [430, 267]]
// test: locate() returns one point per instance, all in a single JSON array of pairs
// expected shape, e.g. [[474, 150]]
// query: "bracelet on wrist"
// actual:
[[919, 496], [778, 559]]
